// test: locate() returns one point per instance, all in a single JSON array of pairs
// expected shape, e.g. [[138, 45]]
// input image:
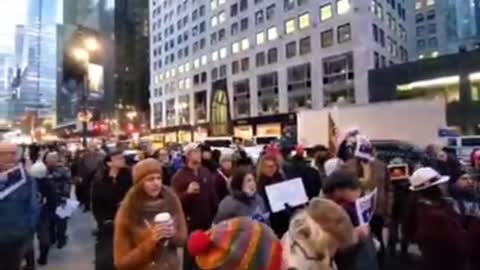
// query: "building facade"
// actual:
[[454, 78], [217, 66], [445, 27]]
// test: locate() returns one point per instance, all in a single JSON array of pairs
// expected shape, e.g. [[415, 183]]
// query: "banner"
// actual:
[[365, 207], [11, 180]]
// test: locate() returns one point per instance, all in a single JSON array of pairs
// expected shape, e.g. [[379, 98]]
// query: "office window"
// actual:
[[213, 4], [235, 47], [221, 34], [243, 5], [432, 43], [432, 28], [244, 24], [170, 112], [184, 109], [223, 71], [245, 64], [270, 11], [223, 53], [235, 67], [215, 56], [267, 85], [375, 32], [304, 21], [194, 31], [376, 60], [234, 10], [431, 14], [234, 29], [187, 67], [290, 26], [241, 98], [430, 2], [291, 49], [420, 44], [260, 59], [221, 17], [196, 63], [259, 17], [288, 5], [260, 38], [258, 2], [326, 12], [202, 27], [343, 6], [272, 55], [202, 10], [344, 33], [221, 2], [420, 31], [299, 86], [418, 4], [305, 46], [214, 74], [245, 44], [213, 38], [419, 18], [327, 38], [381, 36], [202, 43], [214, 21], [272, 33]]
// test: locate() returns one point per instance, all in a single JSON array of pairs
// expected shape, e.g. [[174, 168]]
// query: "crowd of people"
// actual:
[[145, 212]]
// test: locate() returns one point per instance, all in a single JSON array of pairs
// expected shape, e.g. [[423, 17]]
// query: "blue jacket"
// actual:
[[19, 213]]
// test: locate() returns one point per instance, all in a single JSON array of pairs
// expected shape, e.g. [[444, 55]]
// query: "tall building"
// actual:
[[132, 56], [445, 27], [243, 67]]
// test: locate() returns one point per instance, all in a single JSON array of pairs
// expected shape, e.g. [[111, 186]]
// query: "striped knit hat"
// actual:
[[236, 244]]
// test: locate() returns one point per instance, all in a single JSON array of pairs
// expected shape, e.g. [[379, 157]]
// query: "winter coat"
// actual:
[[279, 221], [55, 187], [439, 233], [107, 194], [240, 205], [221, 180], [133, 247], [200, 209], [379, 179], [19, 213], [299, 167]]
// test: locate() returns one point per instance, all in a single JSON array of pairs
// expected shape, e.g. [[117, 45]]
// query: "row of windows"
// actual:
[[267, 14], [377, 9], [430, 43], [424, 3], [431, 29], [429, 16]]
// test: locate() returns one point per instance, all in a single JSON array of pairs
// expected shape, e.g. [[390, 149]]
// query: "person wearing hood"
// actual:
[[244, 201], [223, 176], [142, 239], [207, 158]]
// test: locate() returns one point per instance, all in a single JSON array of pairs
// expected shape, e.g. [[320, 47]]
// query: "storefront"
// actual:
[[263, 126]]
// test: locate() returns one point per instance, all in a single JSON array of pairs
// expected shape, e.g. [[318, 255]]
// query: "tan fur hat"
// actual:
[[144, 168]]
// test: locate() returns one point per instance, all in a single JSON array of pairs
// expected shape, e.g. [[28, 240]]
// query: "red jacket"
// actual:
[[200, 209], [439, 233]]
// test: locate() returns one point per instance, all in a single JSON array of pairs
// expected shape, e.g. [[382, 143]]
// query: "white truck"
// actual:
[[413, 121]]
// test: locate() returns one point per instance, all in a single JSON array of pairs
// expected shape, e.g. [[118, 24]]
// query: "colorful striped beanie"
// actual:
[[236, 244]]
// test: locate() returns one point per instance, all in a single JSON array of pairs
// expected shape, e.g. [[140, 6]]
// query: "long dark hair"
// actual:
[[237, 179]]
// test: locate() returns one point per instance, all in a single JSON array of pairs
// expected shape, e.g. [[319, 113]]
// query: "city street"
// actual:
[[78, 254]]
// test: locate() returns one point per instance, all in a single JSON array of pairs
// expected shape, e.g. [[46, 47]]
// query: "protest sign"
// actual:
[[290, 192], [365, 207], [11, 180]]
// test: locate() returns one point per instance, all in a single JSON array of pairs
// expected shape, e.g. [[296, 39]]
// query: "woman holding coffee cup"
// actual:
[[150, 224]]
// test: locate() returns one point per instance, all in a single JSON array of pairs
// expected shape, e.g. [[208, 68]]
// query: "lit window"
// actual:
[[304, 21], [188, 83], [215, 56], [421, 56], [272, 33], [430, 2], [167, 74], [223, 53], [161, 76], [213, 4], [235, 47], [196, 63], [290, 26], [221, 17], [245, 44], [187, 67], [173, 72], [418, 4], [181, 68], [221, 2], [326, 12], [343, 6], [204, 60], [214, 21], [260, 38], [181, 84], [435, 54]]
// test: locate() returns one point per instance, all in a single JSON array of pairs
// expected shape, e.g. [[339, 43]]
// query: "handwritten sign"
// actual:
[[365, 207], [290, 192], [11, 180]]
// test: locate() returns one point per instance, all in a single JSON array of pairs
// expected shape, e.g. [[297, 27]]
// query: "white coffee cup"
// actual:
[[164, 217]]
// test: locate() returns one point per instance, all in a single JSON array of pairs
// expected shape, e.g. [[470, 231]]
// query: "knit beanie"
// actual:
[[238, 243], [144, 168]]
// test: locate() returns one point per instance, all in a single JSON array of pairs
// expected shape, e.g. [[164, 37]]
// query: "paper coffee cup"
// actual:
[[163, 218]]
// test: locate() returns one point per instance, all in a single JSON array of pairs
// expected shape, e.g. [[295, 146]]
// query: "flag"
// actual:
[[332, 136]]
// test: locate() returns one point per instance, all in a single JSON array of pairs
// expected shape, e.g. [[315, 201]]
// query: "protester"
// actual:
[[443, 162], [244, 201], [195, 187], [167, 167], [207, 159], [298, 166], [19, 208], [434, 225], [111, 183], [360, 160], [222, 176], [332, 165], [320, 156], [141, 242], [268, 173], [87, 167], [344, 188]]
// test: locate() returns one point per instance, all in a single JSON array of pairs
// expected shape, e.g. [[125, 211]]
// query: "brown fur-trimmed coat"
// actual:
[[133, 247]]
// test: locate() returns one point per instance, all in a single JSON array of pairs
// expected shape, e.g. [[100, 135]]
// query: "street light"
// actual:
[[131, 115], [82, 55]]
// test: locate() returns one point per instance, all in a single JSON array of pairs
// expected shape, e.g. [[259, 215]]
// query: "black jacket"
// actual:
[[299, 167], [55, 187], [107, 194]]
